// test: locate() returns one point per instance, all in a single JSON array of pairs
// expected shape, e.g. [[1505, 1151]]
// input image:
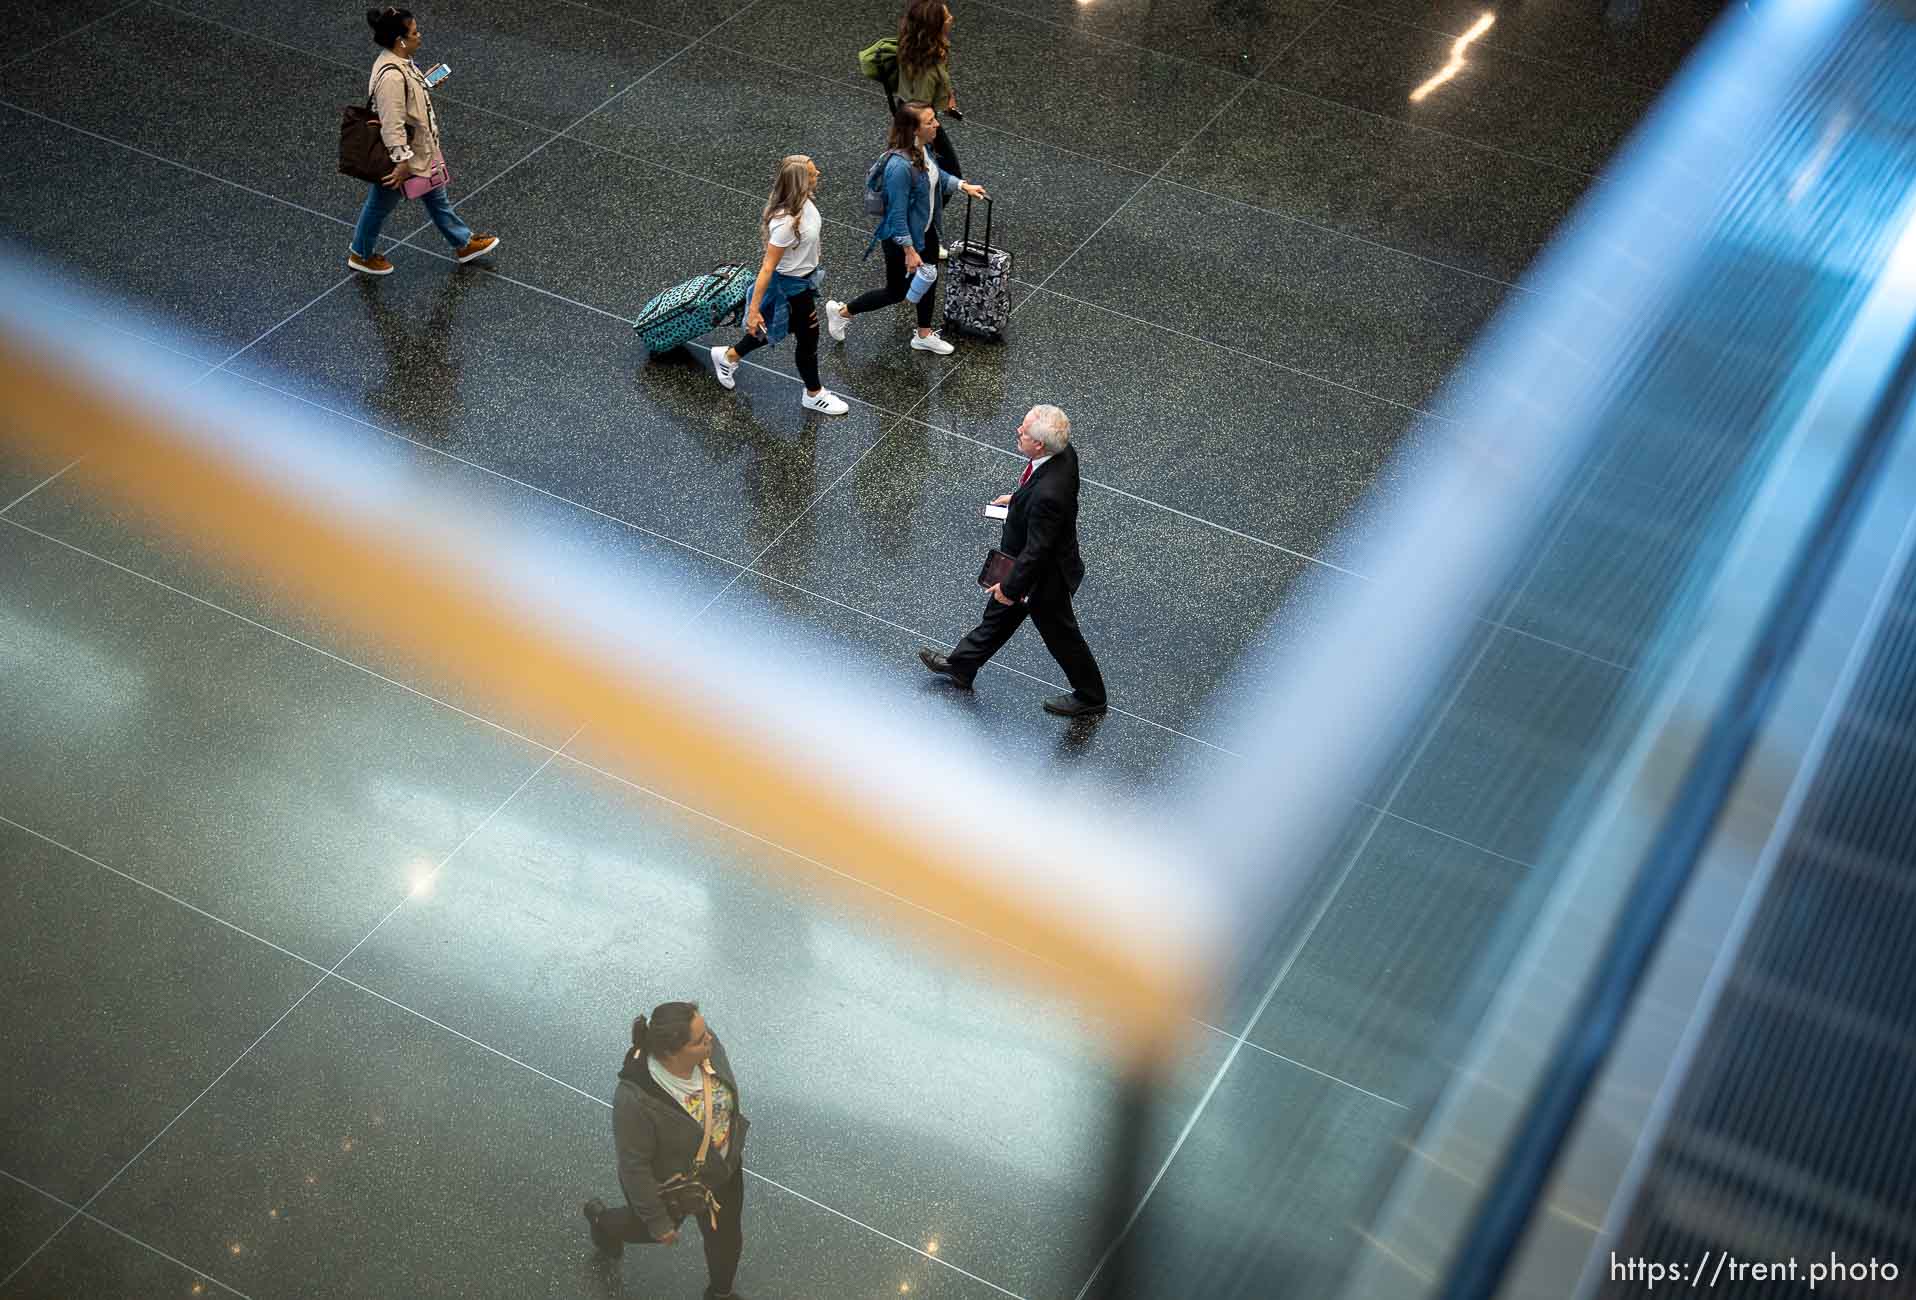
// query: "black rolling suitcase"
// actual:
[[978, 283]]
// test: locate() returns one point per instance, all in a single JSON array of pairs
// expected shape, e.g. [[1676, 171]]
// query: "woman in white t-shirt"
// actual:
[[785, 296]]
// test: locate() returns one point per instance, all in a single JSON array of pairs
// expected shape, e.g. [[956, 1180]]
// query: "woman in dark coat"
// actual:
[[658, 1121]]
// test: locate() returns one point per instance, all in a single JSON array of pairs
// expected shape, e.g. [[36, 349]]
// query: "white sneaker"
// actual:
[[724, 371], [824, 401], [932, 343], [944, 254], [836, 320]]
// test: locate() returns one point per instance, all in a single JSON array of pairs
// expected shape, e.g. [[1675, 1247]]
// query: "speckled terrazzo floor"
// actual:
[[244, 1061]]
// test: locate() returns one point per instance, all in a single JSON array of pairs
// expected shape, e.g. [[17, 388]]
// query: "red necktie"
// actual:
[[1026, 476]]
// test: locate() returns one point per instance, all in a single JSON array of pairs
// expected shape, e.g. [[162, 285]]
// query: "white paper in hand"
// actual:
[[996, 512]]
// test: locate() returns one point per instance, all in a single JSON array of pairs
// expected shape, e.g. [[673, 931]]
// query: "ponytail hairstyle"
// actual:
[[388, 24], [904, 132], [790, 188], [924, 41], [669, 1030]]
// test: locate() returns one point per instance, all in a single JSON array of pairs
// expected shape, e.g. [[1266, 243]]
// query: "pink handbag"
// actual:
[[416, 187]]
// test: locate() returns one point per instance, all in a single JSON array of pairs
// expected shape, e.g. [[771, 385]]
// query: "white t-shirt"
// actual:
[[799, 239], [931, 171]]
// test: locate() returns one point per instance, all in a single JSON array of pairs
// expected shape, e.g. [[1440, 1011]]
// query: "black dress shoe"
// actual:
[[606, 1249], [1070, 706], [942, 666]]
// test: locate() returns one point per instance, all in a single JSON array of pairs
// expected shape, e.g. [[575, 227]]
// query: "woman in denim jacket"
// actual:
[[784, 297], [915, 191]]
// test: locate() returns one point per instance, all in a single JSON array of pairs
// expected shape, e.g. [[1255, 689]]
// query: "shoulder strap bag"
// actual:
[[362, 154], [686, 1193]]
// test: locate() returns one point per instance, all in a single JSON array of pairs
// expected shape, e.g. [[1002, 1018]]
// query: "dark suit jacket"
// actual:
[[1041, 531]]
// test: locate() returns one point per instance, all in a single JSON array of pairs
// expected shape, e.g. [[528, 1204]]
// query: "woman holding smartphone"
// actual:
[[408, 127], [924, 76]]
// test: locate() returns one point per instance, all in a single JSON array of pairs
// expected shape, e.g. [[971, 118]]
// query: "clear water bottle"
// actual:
[[921, 281]]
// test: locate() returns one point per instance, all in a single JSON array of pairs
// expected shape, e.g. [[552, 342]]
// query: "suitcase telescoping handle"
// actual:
[[984, 257]]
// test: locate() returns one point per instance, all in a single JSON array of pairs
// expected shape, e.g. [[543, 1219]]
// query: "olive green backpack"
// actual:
[[879, 61]]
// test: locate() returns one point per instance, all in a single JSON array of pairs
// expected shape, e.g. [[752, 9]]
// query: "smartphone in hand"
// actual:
[[437, 73]]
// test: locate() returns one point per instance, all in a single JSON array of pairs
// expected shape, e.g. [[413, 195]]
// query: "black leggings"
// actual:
[[897, 280], [804, 317], [723, 1244]]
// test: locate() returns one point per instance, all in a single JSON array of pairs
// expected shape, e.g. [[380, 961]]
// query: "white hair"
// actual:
[[1051, 427]]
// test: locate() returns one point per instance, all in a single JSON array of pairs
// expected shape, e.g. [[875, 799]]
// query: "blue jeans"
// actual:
[[380, 202]]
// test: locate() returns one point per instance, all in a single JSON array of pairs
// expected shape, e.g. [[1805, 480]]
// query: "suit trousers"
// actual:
[[723, 1244], [1056, 624]]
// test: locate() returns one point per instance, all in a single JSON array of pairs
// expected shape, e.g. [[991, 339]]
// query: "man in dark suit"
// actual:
[[1041, 532]]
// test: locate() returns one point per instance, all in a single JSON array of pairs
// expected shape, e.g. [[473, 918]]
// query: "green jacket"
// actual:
[[925, 85]]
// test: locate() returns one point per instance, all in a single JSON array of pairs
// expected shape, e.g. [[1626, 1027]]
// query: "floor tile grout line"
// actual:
[[606, 1105], [337, 285], [1567, 648], [333, 974], [928, 639], [273, 631], [42, 483], [565, 131], [1311, 1069], [155, 889], [397, 1005], [1118, 41], [76, 1213], [1500, 47], [923, 1254], [120, 329], [1175, 155], [559, 752], [1297, 949], [937, 428], [752, 567], [490, 472], [328, 974], [1431, 130], [1378, 244], [921, 402], [1454, 839], [42, 48], [795, 520], [1184, 1134], [1254, 82], [422, 885], [168, 1126], [642, 22], [586, 764], [673, 31], [1322, 909], [1253, 357], [859, 88], [742, 571], [172, 162], [1226, 348]]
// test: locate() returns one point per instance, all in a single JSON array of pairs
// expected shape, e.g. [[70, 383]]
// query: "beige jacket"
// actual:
[[401, 99]]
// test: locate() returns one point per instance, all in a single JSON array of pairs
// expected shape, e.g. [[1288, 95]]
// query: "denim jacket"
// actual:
[[776, 305], [909, 202]]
